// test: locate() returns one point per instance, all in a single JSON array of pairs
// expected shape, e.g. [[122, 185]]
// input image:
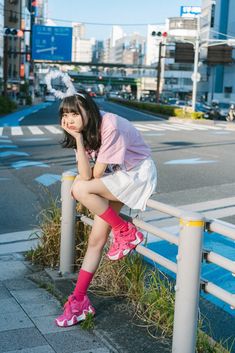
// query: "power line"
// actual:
[[83, 22], [101, 23]]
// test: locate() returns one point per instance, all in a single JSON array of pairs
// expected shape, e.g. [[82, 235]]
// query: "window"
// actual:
[[228, 89], [187, 81]]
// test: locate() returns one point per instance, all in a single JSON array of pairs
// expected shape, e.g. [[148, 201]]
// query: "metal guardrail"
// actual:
[[189, 259]]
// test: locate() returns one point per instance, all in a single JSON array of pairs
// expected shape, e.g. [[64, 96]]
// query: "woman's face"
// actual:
[[73, 121]]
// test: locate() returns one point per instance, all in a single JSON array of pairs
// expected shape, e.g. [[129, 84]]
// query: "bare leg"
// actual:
[[97, 239], [93, 194]]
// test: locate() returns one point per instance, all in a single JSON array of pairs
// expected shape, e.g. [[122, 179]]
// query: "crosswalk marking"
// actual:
[[183, 127], [141, 126], [53, 129], [157, 127], [35, 130], [16, 131]]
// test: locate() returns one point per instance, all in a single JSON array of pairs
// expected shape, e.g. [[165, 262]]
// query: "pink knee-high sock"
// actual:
[[113, 219], [83, 282]]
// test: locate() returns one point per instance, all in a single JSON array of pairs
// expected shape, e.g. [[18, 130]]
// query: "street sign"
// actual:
[[190, 11], [52, 43]]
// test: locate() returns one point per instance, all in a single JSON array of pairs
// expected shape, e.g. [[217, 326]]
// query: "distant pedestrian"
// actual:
[[114, 168]]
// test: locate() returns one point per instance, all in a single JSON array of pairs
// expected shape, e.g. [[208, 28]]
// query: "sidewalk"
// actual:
[[27, 315]]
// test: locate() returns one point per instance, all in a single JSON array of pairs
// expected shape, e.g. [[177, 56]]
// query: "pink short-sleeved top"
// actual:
[[121, 142]]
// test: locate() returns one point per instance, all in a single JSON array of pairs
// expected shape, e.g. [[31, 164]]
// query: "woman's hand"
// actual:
[[72, 131]]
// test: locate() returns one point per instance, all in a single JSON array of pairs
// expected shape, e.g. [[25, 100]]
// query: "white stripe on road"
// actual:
[[1, 131], [154, 127], [141, 127], [53, 129], [16, 131], [183, 127], [212, 209], [209, 205], [166, 127], [35, 130]]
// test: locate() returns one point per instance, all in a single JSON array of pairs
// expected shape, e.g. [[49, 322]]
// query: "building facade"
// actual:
[[178, 68], [218, 78], [1, 42], [129, 50]]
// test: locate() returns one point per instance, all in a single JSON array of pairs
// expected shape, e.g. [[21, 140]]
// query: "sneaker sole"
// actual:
[[134, 243], [75, 319]]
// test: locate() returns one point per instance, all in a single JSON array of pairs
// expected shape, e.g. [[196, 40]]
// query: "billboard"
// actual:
[[52, 43], [190, 11]]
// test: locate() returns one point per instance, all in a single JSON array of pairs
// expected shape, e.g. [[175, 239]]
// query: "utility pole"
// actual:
[[5, 65], [195, 71], [159, 69]]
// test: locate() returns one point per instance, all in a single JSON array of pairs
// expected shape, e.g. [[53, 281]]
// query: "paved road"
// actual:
[[196, 170], [195, 163]]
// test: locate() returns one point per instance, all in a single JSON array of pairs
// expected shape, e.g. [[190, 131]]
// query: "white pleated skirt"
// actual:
[[133, 187]]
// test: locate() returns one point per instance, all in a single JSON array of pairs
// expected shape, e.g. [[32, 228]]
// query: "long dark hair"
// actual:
[[85, 106]]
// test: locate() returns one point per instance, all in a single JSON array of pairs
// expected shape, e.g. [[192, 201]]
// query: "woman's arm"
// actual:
[[83, 165], [99, 169], [84, 169]]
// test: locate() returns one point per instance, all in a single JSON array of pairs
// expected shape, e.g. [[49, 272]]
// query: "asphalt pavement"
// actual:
[[27, 311]]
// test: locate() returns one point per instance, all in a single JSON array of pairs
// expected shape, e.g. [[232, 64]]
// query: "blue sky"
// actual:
[[115, 12]]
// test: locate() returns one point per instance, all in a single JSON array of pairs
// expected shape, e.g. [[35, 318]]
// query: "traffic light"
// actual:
[[159, 34], [15, 32]]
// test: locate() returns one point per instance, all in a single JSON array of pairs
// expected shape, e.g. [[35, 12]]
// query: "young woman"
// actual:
[[114, 168]]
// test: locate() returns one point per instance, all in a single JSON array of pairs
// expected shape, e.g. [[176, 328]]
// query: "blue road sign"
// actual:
[[52, 43], [190, 11]]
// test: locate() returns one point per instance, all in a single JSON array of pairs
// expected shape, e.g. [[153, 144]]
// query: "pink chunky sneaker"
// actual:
[[124, 242], [74, 311]]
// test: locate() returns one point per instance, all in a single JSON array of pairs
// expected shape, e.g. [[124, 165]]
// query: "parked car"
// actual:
[[201, 107], [172, 101], [223, 109], [181, 103]]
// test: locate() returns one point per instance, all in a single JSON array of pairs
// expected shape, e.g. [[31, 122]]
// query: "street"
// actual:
[[195, 163], [195, 171]]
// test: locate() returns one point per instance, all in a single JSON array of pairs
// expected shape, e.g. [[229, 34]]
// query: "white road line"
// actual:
[[167, 127], [211, 209], [183, 127], [53, 129], [35, 130], [203, 127], [154, 127], [208, 127], [222, 213], [209, 205], [198, 127], [1, 131], [141, 127], [16, 130]]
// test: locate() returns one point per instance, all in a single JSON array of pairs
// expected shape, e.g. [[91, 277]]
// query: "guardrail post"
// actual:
[[188, 283], [68, 213]]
